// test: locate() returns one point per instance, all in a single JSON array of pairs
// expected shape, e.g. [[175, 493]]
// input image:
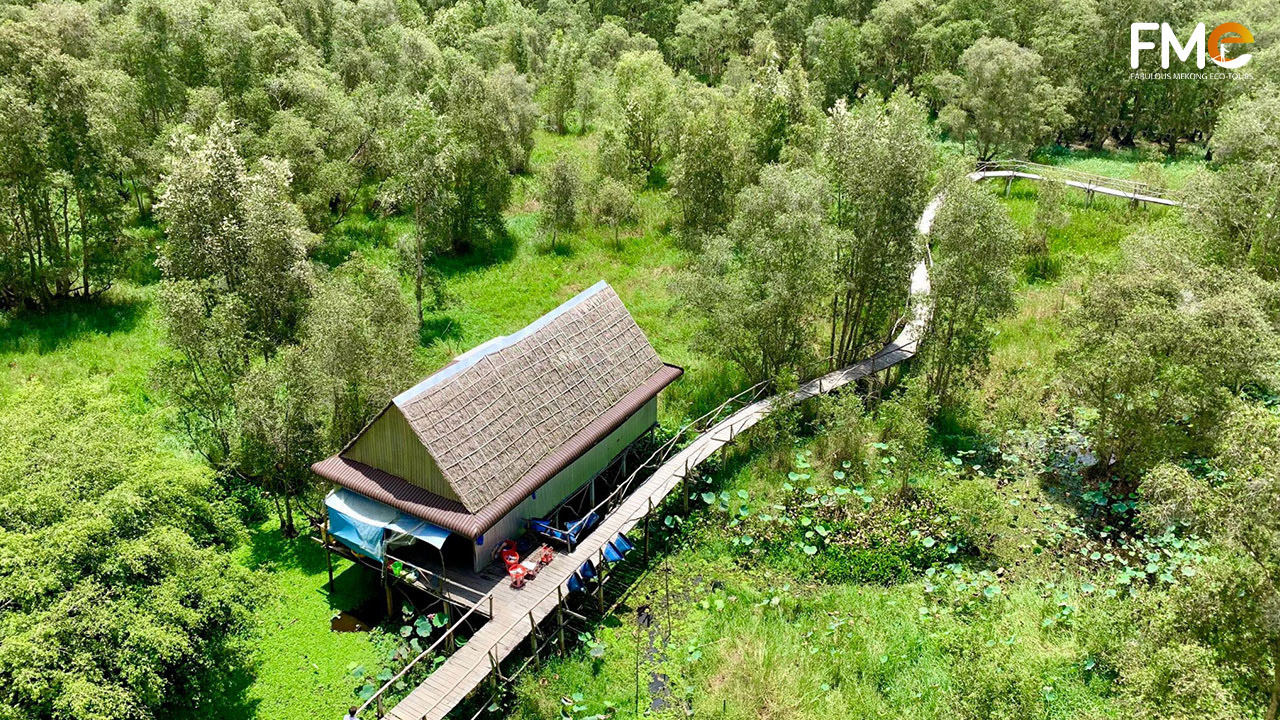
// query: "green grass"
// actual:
[[298, 667], [1123, 164]]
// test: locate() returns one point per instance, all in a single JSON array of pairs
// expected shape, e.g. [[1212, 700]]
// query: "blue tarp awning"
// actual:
[[366, 525]]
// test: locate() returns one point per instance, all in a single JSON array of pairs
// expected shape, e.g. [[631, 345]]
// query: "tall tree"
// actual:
[[711, 167], [420, 184], [359, 340], [760, 286], [280, 429], [1158, 346], [1002, 98], [560, 196], [237, 232], [877, 159], [60, 233], [1236, 612], [642, 91], [1239, 205], [971, 282]]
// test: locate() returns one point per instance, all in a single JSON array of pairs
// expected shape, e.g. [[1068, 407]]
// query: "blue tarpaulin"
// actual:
[[366, 525]]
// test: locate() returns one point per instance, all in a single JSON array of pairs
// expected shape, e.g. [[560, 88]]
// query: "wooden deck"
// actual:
[[515, 612]]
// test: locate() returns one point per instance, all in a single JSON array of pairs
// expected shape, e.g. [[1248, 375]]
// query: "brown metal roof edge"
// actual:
[[451, 514]]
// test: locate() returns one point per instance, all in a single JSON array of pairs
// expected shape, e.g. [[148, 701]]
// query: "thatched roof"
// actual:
[[500, 410]]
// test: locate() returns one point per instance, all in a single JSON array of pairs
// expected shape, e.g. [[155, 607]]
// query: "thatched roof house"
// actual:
[[512, 427]]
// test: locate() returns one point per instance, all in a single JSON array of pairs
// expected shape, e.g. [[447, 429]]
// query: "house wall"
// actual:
[[566, 481], [389, 444]]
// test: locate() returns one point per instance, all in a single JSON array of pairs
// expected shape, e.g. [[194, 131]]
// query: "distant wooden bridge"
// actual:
[[514, 615]]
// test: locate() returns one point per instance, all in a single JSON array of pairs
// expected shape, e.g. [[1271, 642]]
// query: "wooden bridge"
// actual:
[[514, 615]]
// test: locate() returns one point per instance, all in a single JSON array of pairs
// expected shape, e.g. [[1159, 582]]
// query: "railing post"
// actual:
[[379, 710]]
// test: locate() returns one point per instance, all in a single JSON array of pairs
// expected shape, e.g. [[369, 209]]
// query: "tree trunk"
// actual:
[[286, 527], [1275, 681]]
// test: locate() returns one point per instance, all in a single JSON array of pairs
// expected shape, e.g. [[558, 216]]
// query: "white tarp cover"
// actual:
[[362, 524]]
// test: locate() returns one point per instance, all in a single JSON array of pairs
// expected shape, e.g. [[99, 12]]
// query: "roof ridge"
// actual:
[[493, 345]]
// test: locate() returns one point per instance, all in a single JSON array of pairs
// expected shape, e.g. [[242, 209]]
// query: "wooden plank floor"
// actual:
[[467, 668]]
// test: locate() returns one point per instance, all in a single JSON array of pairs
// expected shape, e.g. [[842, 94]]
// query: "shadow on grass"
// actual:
[[231, 701], [435, 328], [272, 552], [496, 250], [67, 321]]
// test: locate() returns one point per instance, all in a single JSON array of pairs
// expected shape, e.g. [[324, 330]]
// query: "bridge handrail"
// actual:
[[1134, 187]]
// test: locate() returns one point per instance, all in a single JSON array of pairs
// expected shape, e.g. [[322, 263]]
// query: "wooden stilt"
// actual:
[[533, 638], [646, 530], [684, 481], [328, 553], [386, 585], [600, 583], [448, 625], [560, 618]]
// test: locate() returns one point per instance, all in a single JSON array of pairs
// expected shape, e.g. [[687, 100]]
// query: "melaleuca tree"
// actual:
[[707, 34], [780, 105], [876, 159], [280, 431], [1233, 610], [613, 203], [1001, 99], [561, 197], [759, 287], [710, 169], [479, 178], [512, 98], [565, 68], [359, 340], [892, 49], [971, 285], [610, 40], [1237, 204], [60, 233], [835, 65], [420, 185], [237, 231], [642, 93], [1139, 360], [235, 281]]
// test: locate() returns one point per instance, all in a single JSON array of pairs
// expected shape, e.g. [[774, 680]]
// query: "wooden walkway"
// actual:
[[515, 612]]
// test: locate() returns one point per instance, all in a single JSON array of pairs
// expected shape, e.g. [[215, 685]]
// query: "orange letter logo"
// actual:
[[1217, 40]]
